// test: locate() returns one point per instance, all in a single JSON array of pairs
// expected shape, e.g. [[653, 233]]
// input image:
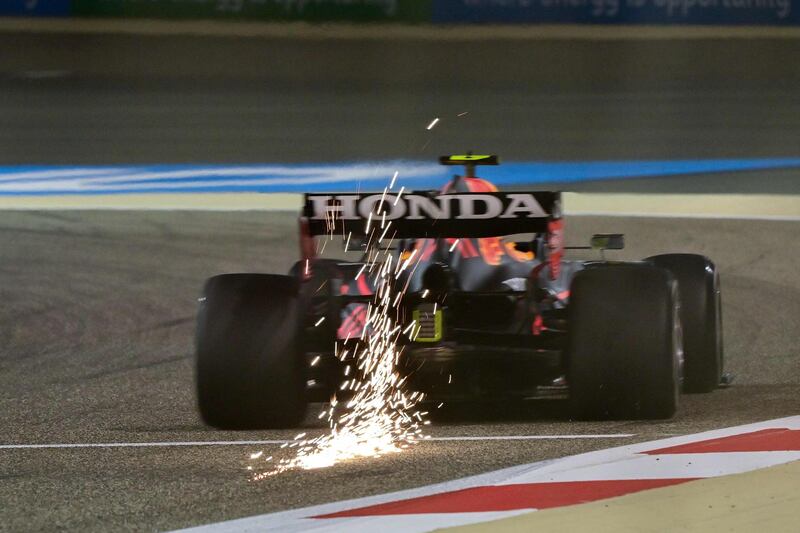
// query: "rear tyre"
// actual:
[[624, 343], [701, 317], [250, 371]]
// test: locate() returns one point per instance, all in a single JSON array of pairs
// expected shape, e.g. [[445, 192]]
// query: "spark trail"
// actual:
[[380, 417]]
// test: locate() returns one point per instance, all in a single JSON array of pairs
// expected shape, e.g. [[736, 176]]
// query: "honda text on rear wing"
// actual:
[[430, 214]]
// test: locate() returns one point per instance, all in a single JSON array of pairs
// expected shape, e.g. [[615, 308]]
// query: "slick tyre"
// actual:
[[624, 343], [701, 317], [250, 371]]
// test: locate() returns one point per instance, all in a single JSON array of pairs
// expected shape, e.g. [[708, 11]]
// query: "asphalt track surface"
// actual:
[[97, 314], [97, 308]]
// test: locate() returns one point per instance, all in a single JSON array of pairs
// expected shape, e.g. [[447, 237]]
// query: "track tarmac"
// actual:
[[97, 322]]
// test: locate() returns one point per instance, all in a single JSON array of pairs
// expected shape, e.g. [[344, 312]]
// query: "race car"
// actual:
[[497, 311]]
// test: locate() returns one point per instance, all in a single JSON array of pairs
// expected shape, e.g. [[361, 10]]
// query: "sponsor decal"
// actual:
[[431, 215], [710, 12], [415, 206]]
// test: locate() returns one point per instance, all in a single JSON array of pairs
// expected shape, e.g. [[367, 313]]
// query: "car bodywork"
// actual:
[[490, 311], [481, 302]]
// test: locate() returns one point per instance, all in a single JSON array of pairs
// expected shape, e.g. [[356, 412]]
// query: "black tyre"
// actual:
[[623, 345], [701, 316], [250, 371]]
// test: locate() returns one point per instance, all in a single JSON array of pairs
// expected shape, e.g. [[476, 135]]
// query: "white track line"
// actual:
[[167, 444], [138, 444], [536, 437]]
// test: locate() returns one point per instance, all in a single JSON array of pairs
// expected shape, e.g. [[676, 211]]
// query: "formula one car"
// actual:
[[497, 311]]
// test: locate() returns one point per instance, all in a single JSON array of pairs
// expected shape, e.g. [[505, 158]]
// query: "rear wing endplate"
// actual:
[[432, 214]]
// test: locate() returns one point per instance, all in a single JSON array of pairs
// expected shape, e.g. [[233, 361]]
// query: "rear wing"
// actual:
[[432, 214]]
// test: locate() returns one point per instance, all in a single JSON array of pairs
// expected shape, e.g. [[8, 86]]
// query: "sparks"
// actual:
[[383, 198], [433, 123], [407, 261], [455, 243], [397, 299], [384, 235], [397, 198], [379, 416]]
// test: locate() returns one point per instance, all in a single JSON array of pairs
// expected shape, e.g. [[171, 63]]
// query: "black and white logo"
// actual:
[[414, 206]]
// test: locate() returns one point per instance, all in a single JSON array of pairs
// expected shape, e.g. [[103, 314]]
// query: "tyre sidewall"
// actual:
[[250, 371], [623, 343], [701, 318]]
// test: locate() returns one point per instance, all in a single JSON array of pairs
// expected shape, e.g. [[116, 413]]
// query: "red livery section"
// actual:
[[766, 440], [511, 497]]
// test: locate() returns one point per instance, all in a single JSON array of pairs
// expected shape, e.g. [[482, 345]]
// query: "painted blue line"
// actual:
[[335, 177]]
